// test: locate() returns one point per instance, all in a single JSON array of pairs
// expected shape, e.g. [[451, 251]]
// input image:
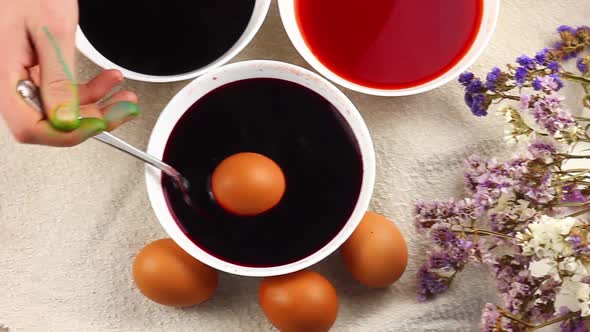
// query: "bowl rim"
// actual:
[[259, 14], [491, 10], [180, 103]]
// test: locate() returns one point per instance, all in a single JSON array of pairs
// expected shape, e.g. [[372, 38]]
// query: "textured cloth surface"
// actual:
[[71, 220]]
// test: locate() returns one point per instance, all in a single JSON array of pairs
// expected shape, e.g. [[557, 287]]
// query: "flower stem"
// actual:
[[575, 78], [575, 170], [505, 96], [507, 314], [572, 156], [572, 204], [556, 320], [485, 232], [579, 213]]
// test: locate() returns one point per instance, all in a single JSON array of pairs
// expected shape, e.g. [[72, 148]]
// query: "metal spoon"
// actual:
[[30, 93]]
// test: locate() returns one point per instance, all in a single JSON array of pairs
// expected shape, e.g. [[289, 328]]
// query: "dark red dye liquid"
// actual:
[[164, 37], [389, 44], [298, 129]]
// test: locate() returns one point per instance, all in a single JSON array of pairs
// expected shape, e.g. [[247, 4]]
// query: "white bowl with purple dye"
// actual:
[[217, 78], [258, 16]]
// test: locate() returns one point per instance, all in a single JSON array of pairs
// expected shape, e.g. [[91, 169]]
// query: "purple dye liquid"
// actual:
[[298, 129]]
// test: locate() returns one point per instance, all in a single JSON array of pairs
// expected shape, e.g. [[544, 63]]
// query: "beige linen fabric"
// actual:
[[71, 220]]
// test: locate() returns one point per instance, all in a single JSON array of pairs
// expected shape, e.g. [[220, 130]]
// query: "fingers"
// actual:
[[55, 49], [119, 108], [28, 126], [120, 112], [35, 75], [44, 133], [122, 96], [123, 108], [99, 86], [90, 111]]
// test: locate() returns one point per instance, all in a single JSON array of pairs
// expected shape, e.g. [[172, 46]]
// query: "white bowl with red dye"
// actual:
[[489, 17]]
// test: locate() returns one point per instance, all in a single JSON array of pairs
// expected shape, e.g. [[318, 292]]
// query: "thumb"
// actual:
[[56, 51]]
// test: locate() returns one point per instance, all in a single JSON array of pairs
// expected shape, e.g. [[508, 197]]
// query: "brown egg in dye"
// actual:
[[248, 184]]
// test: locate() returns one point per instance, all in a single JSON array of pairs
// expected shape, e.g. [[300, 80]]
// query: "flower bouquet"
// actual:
[[523, 217]]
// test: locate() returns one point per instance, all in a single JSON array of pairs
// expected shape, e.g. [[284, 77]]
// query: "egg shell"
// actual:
[[168, 275], [248, 184], [376, 253], [303, 301]]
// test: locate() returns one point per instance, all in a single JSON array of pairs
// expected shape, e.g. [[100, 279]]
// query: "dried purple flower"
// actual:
[[543, 149], [513, 281], [543, 310], [475, 86], [491, 320], [541, 56], [443, 236], [558, 45], [502, 221], [466, 78], [446, 212], [468, 99], [430, 284], [573, 194], [565, 28], [429, 214], [444, 261], [520, 75], [583, 33], [489, 181], [540, 191], [578, 244], [474, 167], [468, 209], [492, 79], [582, 64], [478, 106], [525, 101], [575, 324], [550, 82], [537, 84], [556, 83], [551, 117], [505, 197], [525, 62], [553, 66]]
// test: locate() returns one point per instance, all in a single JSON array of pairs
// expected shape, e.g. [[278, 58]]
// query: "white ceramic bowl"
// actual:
[[258, 15], [236, 72], [488, 24]]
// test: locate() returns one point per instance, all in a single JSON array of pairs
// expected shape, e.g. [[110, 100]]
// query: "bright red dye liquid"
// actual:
[[389, 44]]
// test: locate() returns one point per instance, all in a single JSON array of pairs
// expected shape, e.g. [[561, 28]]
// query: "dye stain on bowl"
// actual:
[[170, 37], [299, 130], [389, 44]]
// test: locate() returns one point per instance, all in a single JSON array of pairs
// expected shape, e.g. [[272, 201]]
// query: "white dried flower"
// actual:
[[545, 238], [574, 295], [544, 267]]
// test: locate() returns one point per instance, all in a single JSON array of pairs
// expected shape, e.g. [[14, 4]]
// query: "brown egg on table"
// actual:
[[168, 275], [376, 253], [303, 301], [248, 184]]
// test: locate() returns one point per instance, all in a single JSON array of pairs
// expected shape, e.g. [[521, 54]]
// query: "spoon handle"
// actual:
[[121, 145], [30, 94]]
